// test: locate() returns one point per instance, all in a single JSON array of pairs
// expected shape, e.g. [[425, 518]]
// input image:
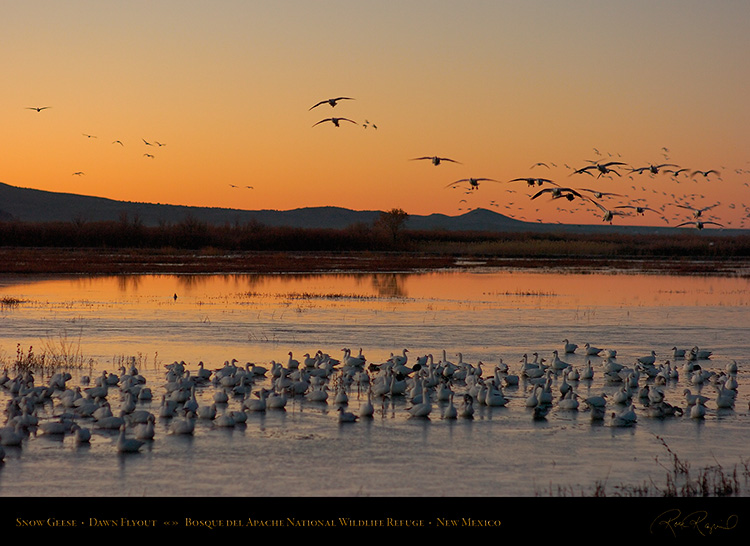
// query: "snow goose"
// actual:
[[259, 405], [701, 354], [55, 428], [545, 396], [81, 434], [588, 371], [346, 416], [167, 408], [540, 412], [466, 408], [643, 393], [203, 374], [113, 422], [145, 394], [423, 409], [207, 412], [569, 402], [450, 411], [692, 399], [227, 419], [145, 431], [626, 418], [698, 410], [591, 350], [276, 399], [558, 364], [185, 425], [291, 363], [443, 391], [239, 417], [511, 380], [663, 409], [597, 413], [725, 398], [564, 387], [317, 394], [569, 347], [532, 400], [596, 401], [128, 445], [191, 404], [221, 396], [400, 360], [650, 359], [12, 436], [731, 383], [102, 411], [494, 396], [655, 395], [341, 398], [367, 409], [353, 361], [622, 396]]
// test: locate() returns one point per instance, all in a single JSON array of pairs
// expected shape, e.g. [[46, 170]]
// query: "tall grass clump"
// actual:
[[56, 353], [10, 302], [680, 481]]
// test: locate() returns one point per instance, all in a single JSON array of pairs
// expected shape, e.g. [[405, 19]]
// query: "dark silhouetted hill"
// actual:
[[30, 205]]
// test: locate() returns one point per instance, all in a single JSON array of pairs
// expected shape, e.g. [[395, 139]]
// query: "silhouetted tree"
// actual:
[[392, 222]]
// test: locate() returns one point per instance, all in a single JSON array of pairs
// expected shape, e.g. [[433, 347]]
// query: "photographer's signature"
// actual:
[[698, 521]]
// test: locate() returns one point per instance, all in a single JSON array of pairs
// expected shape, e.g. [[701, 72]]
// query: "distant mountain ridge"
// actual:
[[31, 205]]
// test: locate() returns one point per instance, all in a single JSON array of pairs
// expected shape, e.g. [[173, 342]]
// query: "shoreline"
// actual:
[[127, 261]]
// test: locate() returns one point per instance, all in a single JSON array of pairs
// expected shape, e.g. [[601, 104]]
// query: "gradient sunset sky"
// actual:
[[497, 85]]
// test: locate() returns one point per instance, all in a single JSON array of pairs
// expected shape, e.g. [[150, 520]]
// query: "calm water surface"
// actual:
[[473, 315]]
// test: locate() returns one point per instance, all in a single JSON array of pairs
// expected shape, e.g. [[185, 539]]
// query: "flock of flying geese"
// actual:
[[587, 196], [123, 406], [543, 186], [593, 199], [148, 155]]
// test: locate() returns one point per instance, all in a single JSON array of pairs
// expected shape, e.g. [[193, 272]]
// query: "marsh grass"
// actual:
[[56, 353], [139, 360], [680, 481], [527, 293], [10, 301]]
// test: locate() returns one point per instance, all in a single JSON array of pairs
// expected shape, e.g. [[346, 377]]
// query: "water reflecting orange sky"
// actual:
[[525, 289], [480, 312]]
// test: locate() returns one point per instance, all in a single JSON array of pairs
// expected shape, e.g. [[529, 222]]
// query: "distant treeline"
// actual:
[[253, 236]]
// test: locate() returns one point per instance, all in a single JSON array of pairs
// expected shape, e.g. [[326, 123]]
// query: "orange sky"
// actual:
[[496, 85]]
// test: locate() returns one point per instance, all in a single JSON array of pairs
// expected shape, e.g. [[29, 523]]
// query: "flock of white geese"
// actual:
[[126, 408]]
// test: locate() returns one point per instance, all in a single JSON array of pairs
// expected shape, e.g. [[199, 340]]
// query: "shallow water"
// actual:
[[483, 314]]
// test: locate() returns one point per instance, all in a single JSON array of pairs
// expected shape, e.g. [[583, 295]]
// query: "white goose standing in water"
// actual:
[[367, 409], [127, 445], [698, 410], [185, 425], [450, 411], [346, 416], [588, 371], [570, 347], [145, 431], [466, 408], [259, 405], [591, 350], [423, 409], [494, 396]]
